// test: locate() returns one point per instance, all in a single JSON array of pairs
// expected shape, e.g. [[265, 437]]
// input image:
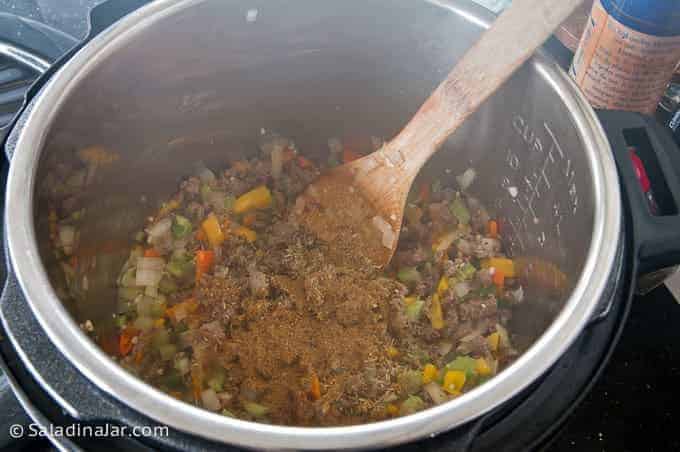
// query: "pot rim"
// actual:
[[64, 332]]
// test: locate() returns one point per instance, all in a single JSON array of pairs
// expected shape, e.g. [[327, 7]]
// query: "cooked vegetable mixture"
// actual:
[[228, 304]]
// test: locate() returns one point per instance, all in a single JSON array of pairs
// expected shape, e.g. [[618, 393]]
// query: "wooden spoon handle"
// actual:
[[512, 39]]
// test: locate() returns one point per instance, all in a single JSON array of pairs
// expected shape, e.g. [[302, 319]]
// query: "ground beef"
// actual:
[[476, 309]]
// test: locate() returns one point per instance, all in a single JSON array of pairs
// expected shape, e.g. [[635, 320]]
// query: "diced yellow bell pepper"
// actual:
[[436, 315], [246, 233], [392, 352], [482, 367], [257, 198], [454, 380], [392, 409], [493, 340], [430, 373], [213, 230], [410, 300], [443, 286], [505, 265]]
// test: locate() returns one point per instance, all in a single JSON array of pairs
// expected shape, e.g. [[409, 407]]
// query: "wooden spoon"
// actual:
[[357, 208]]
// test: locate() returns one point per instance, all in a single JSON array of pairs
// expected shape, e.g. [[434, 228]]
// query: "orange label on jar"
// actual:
[[619, 68]]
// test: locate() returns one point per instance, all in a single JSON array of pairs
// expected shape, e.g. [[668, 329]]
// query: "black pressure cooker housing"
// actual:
[[53, 392]]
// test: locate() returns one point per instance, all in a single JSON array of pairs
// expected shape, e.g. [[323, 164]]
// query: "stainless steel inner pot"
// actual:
[[182, 80]]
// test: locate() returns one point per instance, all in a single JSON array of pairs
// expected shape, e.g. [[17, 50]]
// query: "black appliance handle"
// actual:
[[101, 17], [656, 237]]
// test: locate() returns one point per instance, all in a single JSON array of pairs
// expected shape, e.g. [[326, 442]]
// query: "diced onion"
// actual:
[[257, 281], [182, 365], [67, 237], [518, 294], [445, 348], [461, 289], [149, 271], [204, 173], [467, 178], [160, 230], [388, 235], [435, 392], [210, 400]]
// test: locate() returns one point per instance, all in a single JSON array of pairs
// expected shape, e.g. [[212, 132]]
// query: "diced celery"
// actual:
[[410, 381], [414, 310], [460, 211], [408, 275], [465, 364], [172, 380], [167, 351], [121, 321], [160, 338], [255, 409], [466, 272], [167, 285], [179, 267], [411, 405], [216, 382], [181, 227], [205, 192], [229, 201], [144, 323], [129, 293]]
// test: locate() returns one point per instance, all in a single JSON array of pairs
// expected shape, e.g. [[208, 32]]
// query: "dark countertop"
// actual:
[[634, 406], [631, 408]]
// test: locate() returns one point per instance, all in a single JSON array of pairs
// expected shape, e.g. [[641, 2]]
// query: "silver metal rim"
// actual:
[[108, 376]]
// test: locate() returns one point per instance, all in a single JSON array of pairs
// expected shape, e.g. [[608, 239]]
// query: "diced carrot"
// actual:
[[73, 261], [159, 323], [424, 192], [499, 278], [204, 261], [304, 162], [125, 342], [249, 219], [315, 387], [151, 252], [348, 155], [493, 228]]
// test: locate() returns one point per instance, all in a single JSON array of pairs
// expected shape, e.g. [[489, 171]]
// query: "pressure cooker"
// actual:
[[177, 80]]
